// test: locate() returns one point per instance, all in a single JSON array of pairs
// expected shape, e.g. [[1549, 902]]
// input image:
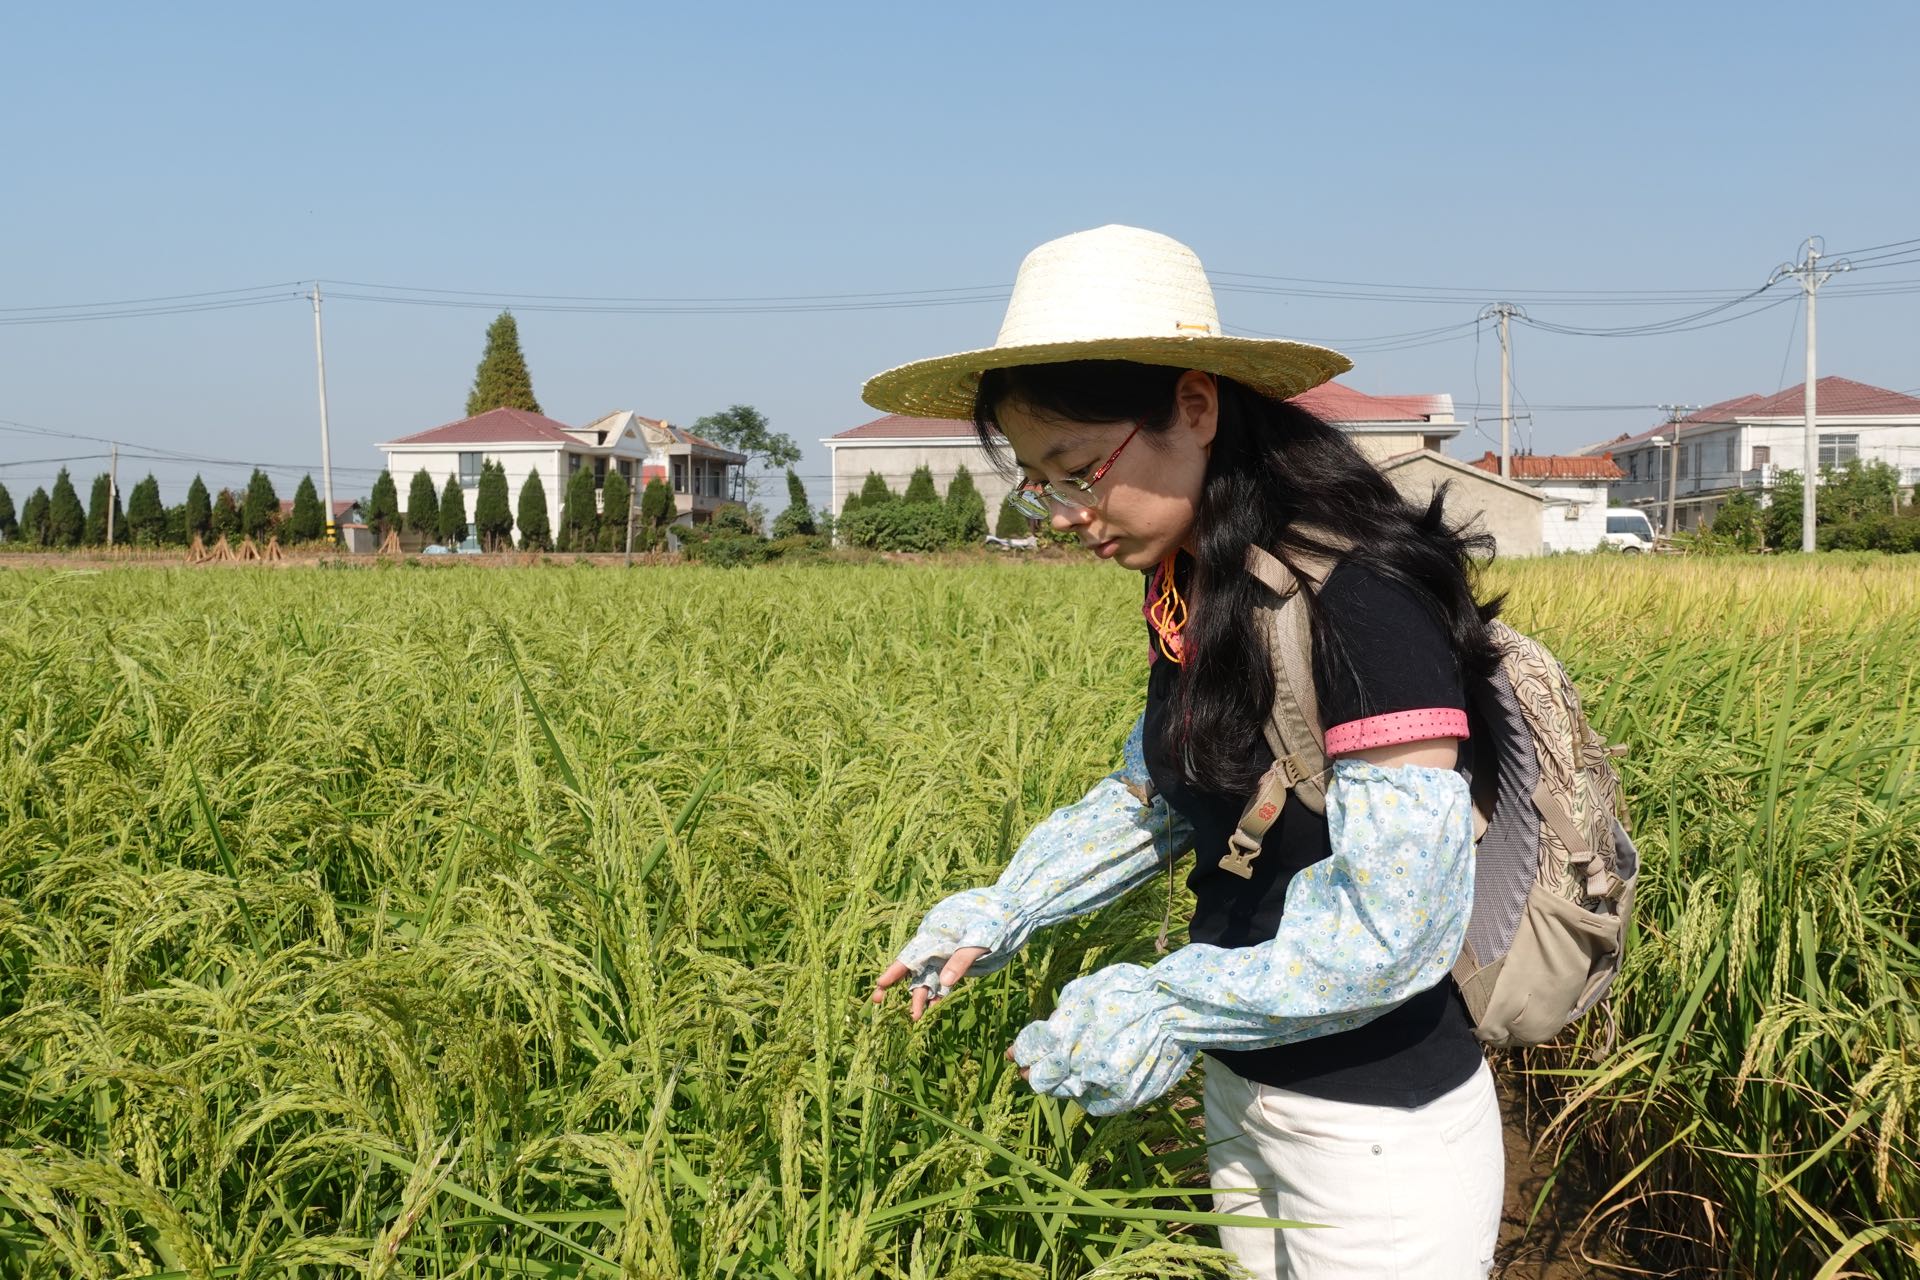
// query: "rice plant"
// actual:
[[410, 922]]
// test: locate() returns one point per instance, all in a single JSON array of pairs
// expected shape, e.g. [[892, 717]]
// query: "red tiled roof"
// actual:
[[1842, 397], [1335, 402], [496, 426], [1544, 466], [895, 426]]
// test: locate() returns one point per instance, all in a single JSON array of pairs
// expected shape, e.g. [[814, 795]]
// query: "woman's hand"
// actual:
[[950, 974], [1011, 1058]]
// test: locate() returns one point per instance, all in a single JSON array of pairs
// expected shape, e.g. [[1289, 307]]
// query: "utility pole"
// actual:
[[1504, 312], [1811, 276], [113, 491], [1673, 466], [326, 453]]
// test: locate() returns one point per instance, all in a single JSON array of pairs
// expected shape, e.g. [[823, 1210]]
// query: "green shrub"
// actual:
[[899, 526]]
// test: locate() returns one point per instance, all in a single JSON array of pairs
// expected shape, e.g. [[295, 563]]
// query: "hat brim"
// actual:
[[946, 386]]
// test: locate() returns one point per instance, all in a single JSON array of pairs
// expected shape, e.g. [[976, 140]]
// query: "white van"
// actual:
[[1628, 530]]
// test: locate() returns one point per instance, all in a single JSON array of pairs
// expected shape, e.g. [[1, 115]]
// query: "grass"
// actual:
[[520, 921]]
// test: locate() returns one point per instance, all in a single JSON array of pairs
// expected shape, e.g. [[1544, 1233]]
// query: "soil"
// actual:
[[1556, 1245]]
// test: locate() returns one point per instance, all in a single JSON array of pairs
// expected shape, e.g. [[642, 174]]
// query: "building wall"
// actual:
[[897, 460], [1513, 517], [1379, 446], [1575, 515], [519, 462]]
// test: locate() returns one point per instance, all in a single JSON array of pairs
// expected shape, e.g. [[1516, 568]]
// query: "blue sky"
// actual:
[[738, 150]]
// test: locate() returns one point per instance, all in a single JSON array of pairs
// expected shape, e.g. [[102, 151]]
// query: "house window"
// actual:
[[573, 463], [1839, 450], [1762, 455], [1685, 451], [679, 475], [599, 472], [469, 470], [1733, 453], [626, 471]]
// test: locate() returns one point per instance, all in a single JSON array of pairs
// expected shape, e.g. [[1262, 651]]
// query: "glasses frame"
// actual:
[[1031, 499]]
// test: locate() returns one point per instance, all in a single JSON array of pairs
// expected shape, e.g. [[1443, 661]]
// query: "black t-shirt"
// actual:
[[1395, 657]]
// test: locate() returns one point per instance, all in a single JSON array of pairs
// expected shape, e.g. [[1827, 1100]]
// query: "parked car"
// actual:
[[1628, 530]]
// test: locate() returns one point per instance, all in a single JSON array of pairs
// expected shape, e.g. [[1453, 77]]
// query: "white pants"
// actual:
[[1409, 1193]]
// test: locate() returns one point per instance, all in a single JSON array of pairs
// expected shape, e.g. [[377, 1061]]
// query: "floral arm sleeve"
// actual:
[[1380, 920], [1077, 859]]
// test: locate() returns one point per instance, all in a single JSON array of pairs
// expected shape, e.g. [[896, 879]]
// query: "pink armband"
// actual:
[[1396, 727]]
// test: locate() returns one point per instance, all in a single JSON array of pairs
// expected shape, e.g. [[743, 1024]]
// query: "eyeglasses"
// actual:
[[1074, 493]]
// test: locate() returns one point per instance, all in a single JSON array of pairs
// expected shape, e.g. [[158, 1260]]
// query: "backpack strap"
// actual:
[[1293, 730]]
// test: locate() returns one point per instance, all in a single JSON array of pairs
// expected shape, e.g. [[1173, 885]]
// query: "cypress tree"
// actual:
[[967, 507], [66, 521], [492, 522], [9, 522], [502, 380], [146, 518], [97, 503], [875, 491], [798, 517], [453, 513], [305, 522], [33, 519], [225, 522], [579, 521], [658, 509], [423, 508], [615, 496], [920, 486], [261, 507], [535, 533], [383, 506], [1010, 523], [199, 510]]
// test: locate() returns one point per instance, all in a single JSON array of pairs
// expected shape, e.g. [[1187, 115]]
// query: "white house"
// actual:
[[1574, 491], [1403, 435], [703, 474], [1746, 442], [894, 446]]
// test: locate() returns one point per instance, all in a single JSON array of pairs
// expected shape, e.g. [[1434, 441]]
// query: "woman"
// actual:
[[1344, 1084]]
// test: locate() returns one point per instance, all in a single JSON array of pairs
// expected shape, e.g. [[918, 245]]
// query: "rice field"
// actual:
[[418, 922]]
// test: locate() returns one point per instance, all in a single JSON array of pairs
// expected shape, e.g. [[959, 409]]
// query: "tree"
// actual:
[[226, 515], [261, 507], [199, 510], [1739, 521], [1010, 523], [615, 496], [383, 506], [744, 429], [102, 497], [423, 508], [658, 509], [797, 519], [492, 521], [920, 486], [146, 518], [535, 533], [501, 381], [1857, 491], [305, 522], [579, 519], [33, 519], [1781, 520], [66, 522], [173, 527], [453, 513], [967, 507], [875, 490], [9, 522]]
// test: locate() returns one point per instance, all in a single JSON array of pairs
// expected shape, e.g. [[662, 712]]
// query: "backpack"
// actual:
[[1554, 867]]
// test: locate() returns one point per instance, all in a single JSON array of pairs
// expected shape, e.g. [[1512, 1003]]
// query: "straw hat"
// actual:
[[1113, 293]]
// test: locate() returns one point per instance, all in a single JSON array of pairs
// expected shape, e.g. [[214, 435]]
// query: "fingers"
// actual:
[[894, 972], [958, 964]]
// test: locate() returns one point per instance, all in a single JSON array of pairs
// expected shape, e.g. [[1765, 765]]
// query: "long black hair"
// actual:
[[1275, 473]]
